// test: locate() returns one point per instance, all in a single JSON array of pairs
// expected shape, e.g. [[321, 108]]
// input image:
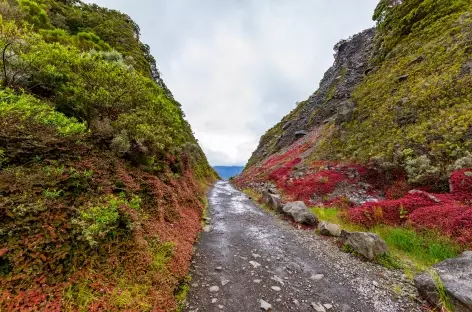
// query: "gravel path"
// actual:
[[250, 260]]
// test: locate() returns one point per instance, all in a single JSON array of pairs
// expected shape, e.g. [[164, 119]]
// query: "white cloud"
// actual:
[[238, 66]]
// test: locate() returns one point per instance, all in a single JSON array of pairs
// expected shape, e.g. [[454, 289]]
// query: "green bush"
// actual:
[[27, 108]]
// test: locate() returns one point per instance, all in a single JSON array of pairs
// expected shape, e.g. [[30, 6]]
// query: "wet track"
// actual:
[[251, 255]]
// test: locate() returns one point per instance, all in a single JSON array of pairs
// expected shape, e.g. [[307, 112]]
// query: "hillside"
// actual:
[[386, 139], [226, 172], [102, 183]]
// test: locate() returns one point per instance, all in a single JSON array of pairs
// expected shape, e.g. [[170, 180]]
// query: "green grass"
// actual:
[[422, 249]]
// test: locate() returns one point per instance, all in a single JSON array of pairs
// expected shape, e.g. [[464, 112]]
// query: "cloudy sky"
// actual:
[[238, 66]]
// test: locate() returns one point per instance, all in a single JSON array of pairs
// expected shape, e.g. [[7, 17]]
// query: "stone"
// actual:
[[254, 264], [287, 125], [403, 78], [369, 245], [300, 213], [300, 133], [272, 200], [214, 289], [273, 190], [276, 288], [329, 229], [316, 277], [207, 228], [218, 268], [328, 306], [318, 307], [265, 305], [456, 276], [345, 112]]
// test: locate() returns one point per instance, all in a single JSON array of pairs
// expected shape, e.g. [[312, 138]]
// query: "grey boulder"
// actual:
[[456, 276], [300, 213], [369, 245], [272, 200], [300, 133], [329, 229]]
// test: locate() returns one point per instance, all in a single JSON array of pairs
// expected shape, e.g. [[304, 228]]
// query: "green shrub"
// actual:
[[28, 108], [35, 14], [120, 144], [421, 171]]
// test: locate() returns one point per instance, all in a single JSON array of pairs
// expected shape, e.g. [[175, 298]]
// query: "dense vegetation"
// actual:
[[101, 180], [402, 161], [414, 109]]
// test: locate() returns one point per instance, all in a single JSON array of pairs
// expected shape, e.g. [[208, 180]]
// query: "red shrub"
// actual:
[[321, 183], [398, 189], [461, 184], [392, 212], [281, 174], [454, 220]]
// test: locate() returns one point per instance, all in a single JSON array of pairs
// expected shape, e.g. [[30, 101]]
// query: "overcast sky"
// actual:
[[238, 66]]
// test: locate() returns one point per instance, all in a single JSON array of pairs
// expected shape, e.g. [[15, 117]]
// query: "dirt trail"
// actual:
[[247, 255]]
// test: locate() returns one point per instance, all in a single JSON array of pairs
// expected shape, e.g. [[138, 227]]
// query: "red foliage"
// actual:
[[281, 174], [398, 189], [172, 213], [392, 212], [461, 184], [321, 183], [450, 213], [454, 220]]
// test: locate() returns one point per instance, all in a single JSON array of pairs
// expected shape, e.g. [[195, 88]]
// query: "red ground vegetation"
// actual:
[[450, 213], [323, 181], [46, 248]]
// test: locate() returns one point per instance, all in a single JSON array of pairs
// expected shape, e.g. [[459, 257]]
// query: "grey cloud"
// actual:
[[238, 66]]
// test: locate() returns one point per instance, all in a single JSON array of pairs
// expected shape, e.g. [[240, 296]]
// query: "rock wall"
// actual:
[[331, 101]]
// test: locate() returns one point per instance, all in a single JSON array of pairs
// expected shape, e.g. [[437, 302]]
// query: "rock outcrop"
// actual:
[[331, 101], [456, 277]]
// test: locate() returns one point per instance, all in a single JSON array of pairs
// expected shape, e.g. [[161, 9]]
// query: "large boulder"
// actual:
[[456, 276], [329, 229], [369, 245], [300, 213]]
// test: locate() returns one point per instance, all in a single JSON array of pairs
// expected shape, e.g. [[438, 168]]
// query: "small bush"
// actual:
[[97, 221], [121, 145], [421, 171], [463, 162]]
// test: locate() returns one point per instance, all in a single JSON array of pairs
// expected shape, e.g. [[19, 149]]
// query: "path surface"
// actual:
[[249, 255]]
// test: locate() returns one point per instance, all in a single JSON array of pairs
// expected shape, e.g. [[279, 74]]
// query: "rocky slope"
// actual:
[[386, 137], [102, 184]]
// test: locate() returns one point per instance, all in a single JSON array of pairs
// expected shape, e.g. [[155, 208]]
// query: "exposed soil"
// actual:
[[251, 255]]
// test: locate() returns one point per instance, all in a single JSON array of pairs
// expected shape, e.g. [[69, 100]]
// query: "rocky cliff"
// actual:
[[331, 102]]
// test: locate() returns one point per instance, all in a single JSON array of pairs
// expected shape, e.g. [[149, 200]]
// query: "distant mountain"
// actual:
[[227, 172]]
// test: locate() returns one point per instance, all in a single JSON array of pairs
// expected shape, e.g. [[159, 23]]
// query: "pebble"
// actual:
[[276, 288], [214, 289], [214, 300], [265, 305], [257, 281], [317, 277], [328, 306], [224, 281], [255, 264], [318, 307], [218, 268]]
